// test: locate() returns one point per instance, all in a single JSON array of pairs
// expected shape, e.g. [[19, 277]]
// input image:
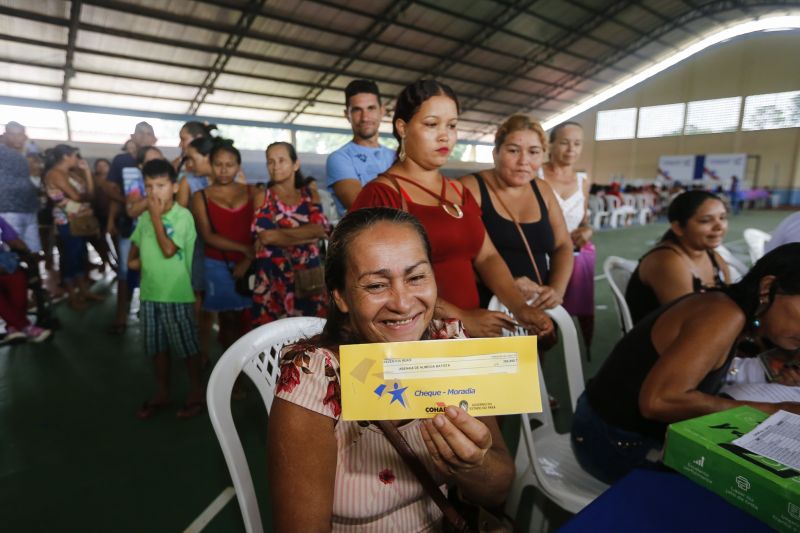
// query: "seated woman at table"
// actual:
[[514, 203], [327, 473], [684, 260], [425, 123], [671, 365]]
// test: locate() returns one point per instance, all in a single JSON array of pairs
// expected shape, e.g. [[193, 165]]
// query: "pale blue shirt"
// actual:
[[353, 161]]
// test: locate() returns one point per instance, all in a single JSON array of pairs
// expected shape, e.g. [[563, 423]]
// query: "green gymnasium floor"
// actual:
[[73, 457]]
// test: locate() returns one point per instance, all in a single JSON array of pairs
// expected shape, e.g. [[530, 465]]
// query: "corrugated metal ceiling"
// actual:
[[283, 61]]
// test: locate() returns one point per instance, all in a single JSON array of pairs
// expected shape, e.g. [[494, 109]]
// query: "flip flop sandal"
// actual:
[[191, 410], [150, 409]]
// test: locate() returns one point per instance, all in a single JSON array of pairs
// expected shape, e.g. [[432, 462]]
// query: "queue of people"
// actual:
[[416, 256]]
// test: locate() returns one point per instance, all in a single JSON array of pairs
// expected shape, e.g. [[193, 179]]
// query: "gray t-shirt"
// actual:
[[17, 192]]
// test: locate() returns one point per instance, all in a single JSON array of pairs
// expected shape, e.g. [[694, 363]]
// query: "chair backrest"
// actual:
[[629, 200], [618, 273], [256, 354], [596, 204], [613, 202], [756, 239], [735, 265], [572, 351]]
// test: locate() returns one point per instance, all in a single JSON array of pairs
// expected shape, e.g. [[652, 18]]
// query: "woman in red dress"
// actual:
[[425, 124]]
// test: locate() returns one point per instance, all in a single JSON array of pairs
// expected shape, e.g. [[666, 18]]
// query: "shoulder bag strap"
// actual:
[[519, 230], [403, 203], [411, 460]]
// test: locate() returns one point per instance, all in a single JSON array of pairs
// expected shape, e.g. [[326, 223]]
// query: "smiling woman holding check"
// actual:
[[330, 474], [426, 126]]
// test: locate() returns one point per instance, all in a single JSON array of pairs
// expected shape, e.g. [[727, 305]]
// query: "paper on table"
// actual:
[[777, 438], [762, 392]]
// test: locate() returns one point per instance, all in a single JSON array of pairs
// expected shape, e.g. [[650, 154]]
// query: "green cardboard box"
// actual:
[[701, 450]]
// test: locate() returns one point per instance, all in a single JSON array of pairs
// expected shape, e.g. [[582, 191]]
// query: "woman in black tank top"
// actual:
[[671, 365], [684, 261], [511, 194]]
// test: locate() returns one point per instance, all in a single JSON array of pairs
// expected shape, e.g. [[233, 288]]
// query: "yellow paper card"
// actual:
[[404, 380]]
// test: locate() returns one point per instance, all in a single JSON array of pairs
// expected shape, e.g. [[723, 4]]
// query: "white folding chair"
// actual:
[[618, 273], [256, 354], [756, 239], [544, 457]]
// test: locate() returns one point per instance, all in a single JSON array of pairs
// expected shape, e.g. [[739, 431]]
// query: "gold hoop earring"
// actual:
[[401, 153]]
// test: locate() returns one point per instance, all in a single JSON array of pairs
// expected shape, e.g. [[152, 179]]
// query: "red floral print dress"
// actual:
[[274, 295]]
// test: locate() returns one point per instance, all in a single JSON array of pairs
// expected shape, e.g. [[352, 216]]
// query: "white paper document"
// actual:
[[448, 367], [762, 392], [777, 438]]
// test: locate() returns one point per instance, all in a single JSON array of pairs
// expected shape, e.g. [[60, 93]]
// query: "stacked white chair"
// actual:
[[544, 457], [257, 355], [619, 212], [645, 204], [618, 272], [598, 211]]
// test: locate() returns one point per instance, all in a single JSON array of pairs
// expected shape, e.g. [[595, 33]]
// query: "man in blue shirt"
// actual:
[[358, 162], [123, 175]]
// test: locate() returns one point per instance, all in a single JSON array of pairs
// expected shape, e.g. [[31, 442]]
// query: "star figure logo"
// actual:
[[397, 395]]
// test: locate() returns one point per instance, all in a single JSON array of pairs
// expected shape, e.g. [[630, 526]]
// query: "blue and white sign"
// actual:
[[676, 168]]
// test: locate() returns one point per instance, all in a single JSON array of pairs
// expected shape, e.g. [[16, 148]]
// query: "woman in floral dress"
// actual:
[[287, 228]]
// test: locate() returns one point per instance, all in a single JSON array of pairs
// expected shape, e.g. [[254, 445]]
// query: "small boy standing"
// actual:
[[163, 244]]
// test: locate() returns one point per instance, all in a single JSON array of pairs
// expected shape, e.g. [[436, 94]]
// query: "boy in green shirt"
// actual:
[[163, 244]]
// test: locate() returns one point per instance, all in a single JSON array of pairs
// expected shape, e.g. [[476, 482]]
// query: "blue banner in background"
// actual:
[[699, 167]]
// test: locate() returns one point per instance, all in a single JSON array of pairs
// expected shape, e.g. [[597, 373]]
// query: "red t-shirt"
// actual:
[[455, 242]]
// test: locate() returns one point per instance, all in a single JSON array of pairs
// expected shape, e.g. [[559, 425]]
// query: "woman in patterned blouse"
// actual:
[[331, 474]]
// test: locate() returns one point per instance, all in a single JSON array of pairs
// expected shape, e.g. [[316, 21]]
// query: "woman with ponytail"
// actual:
[[223, 212], [684, 260], [69, 185], [191, 178]]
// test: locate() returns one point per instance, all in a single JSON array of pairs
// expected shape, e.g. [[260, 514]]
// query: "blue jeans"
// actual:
[[75, 254], [27, 225], [606, 451]]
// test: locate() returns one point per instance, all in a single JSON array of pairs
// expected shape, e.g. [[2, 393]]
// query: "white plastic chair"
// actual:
[[735, 265], [256, 354], [756, 239], [644, 207], [544, 458], [618, 272], [619, 211], [598, 210]]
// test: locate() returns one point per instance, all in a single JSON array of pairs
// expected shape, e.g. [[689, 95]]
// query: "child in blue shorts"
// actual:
[[162, 249]]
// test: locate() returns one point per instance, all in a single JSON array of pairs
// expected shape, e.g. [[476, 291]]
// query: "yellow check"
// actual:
[[403, 380]]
